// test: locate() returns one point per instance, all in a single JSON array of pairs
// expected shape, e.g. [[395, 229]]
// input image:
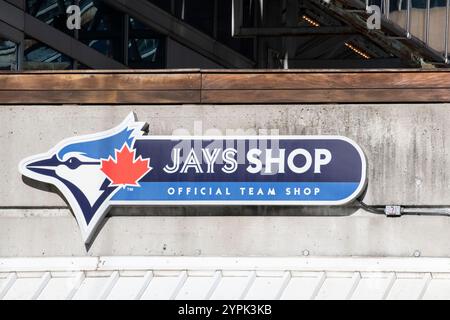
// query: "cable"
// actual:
[[426, 211], [368, 208], [397, 211]]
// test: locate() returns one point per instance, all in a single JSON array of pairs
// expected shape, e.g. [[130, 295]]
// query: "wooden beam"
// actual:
[[226, 87], [324, 96], [100, 97], [325, 80], [101, 82]]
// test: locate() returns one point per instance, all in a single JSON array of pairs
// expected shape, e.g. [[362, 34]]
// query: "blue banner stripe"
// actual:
[[237, 191]]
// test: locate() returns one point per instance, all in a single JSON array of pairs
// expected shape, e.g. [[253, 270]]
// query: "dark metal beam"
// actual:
[[297, 31], [54, 38], [347, 63], [10, 33], [18, 3], [187, 35]]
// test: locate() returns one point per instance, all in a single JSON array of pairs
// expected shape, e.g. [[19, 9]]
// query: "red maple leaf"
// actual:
[[125, 170]]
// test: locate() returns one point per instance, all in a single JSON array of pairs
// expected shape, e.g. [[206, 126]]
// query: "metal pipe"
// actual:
[[408, 19], [183, 8], [397, 211], [126, 38], [387, 8], [20, 55], [427, 23], [446, 30], [427, 211]]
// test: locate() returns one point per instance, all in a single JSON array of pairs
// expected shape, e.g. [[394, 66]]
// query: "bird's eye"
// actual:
[[73, 163]]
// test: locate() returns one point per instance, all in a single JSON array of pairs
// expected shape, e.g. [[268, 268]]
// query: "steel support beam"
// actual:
[[294, 31], [18, 3], [411, 44], [187, 35], [347, 63], [23, 22], [239, 31], [10, 33]]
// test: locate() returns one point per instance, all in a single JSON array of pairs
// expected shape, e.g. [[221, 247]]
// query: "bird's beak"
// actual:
[[37, 165]]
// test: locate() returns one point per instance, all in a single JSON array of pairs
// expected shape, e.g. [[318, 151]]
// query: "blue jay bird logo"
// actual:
[[112, 168], [90, 169]]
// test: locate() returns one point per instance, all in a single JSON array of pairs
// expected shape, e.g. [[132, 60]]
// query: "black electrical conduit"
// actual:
[[396, 211]]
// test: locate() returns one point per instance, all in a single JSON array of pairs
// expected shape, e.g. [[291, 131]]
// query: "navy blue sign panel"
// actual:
[[242, 170], [124, 166]]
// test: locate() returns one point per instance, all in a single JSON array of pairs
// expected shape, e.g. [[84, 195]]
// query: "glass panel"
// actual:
[[8, 55], [52, 12], [38, 56], [97, 16], [104, 46], [102, 29], [163, 4], [146, 48], [243, 46], [200, 14], [145, 53], [137, 25]]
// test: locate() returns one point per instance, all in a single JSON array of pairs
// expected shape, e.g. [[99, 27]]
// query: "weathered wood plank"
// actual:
[[326, 96], [305, 80], [100, 97], [238, 86], [188, 81]]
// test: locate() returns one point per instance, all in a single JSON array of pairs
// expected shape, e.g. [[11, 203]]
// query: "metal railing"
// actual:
[[407, 5]]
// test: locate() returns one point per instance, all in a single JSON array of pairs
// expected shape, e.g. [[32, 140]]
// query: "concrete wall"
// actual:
[[407, 147]]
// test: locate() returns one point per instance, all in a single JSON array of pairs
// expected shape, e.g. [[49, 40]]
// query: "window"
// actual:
[[146, 49], [52, 12], [38, 56], [8, 55]]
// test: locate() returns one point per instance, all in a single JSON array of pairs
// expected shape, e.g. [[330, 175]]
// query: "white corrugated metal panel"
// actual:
[[439, 288], [264, 287], [409, 286], [373, 286], [23, 288], [195, 288], [57, 289], [304, 286], [126, 288], [225, 278], [91, 288], [230, 288], [164, 287], [336, 286]]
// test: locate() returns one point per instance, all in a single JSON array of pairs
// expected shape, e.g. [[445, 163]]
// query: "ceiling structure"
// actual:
[[332, 34], [284, 34]]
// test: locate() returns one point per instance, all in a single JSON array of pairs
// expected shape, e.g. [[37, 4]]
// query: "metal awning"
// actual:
[[194, 278]]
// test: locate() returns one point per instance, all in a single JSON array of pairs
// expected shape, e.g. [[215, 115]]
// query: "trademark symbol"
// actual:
[[130, 189]]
